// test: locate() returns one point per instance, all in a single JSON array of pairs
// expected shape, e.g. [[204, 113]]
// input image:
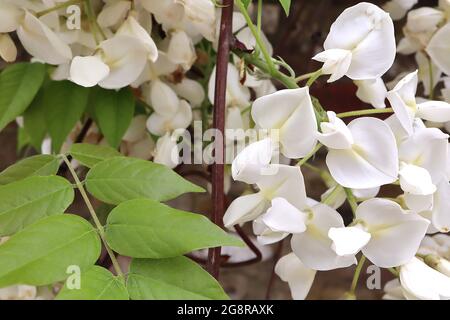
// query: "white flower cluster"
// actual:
[[363, 155]]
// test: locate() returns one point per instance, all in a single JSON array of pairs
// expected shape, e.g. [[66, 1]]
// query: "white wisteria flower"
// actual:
[[420, 281], [360, 34], [386, 234], [439, 48], [293, 117], [287, 183], [398, 8], [361, 155]]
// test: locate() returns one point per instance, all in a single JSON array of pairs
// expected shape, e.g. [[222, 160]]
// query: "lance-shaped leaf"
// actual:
[[40, 165], [144, 228], [120, 179], [113, 112], [42, 253], [172, 279], [89, 154], [19, 83], [28, 200], [64, 104], [97, 283]]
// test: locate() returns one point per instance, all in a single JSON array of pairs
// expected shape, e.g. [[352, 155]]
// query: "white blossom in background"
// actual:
[[372, 91], [398, 8]]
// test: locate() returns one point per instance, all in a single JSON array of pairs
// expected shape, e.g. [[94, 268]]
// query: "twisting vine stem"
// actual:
[[218, 196], [101, 230]]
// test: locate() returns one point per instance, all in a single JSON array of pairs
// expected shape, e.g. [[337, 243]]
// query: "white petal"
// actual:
[[163, 99], [181, 49], [300, 279], [408, 45], [313, 247], [441, 208], [348, 240], [372, 91], [284, 217], [335, 134], [167, 152], [202, 14], [439, 48], [396, 235], [373, 159], [398, 8], [132, 28], [113, 13], [10, 17], [425, 73], [403, 100], [137, 129], [237, 95], [126, 58], [418, 203], [183, 117], [294, 117], [366, 193], [245, 208], [249, 164], [190, 90], [158, 124], [266, 235], [41, 42], [285, 182], [416, 180], [437, 111], [88, 71], [422, 282], [8, 50], [427, 148], [424, 19], [336, 62]]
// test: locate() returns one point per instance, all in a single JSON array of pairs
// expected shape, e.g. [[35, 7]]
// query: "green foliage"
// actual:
[[113, 111], [171, 279], [97, 283], [40, 165], [34, 122], [120, 179], [19, 83], [64, 104], [89, 154], [144, 228], [41, 253], [28, 200]]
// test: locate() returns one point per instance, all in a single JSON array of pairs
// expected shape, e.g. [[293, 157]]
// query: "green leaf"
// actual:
[[144, 228], [172, 279], [19, 83], [40, 165], [97, 283], [34, 120], [120, 179], [64, 104], [89, 154], [40, 254], [113, 113], [286, 4], [28, 200]]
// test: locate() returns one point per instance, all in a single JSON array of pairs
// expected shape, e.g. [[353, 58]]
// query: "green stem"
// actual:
[[356, 275], [310, 155], [394, 272], [351, 200], [58, 7], [259, 18], [101, 230], [315, 75], [364, 112], [257, 36]]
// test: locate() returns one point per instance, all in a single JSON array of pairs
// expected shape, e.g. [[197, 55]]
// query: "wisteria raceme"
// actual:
[[163, 54]]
